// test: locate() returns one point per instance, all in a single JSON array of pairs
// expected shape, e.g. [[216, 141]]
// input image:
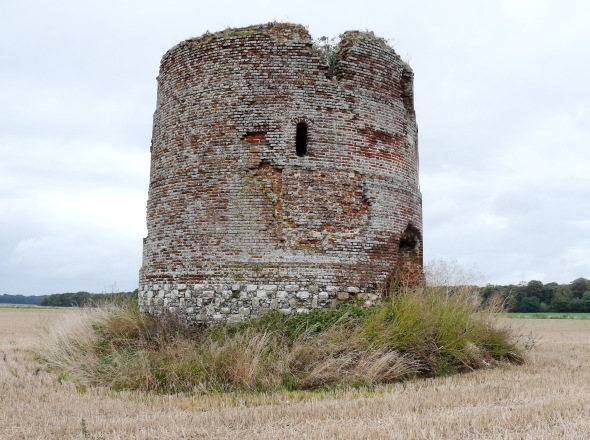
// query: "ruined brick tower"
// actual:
[[279, 182]]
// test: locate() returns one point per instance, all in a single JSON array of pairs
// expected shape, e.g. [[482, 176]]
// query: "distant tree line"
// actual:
[[77, 299], [535, 296], [20, 299], [86, 299]]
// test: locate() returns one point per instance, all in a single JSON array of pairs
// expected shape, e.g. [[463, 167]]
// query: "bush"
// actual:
[[417, 333]]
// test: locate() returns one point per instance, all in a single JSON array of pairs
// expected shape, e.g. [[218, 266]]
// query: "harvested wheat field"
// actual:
[[547, 398]]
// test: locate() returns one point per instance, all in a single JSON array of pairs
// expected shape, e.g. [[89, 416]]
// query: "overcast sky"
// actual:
[[502, 101]]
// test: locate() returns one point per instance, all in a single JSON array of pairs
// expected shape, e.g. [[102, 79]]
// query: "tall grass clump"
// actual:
[[420, 332]]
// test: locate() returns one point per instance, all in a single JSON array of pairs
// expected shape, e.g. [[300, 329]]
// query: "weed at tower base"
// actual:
[[419, 332]]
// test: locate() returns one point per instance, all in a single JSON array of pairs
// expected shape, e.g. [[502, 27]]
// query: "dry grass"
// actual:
[[418, 333], [547, 398], [120, 347]]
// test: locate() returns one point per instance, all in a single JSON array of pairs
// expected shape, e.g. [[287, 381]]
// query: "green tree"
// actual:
[[549, 290], [561, 299], [534, 288], [576, 305], [579, 286], [529, 304]]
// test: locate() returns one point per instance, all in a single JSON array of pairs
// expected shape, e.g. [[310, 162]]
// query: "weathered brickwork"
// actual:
[[278, 183]]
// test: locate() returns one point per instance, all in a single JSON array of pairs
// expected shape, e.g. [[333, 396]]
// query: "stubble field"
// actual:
[[547, 398]]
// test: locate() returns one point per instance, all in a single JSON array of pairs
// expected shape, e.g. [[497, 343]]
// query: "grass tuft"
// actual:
[[417, 333]]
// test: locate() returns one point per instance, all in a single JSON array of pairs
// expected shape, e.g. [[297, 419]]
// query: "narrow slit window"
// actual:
[[301, 139]]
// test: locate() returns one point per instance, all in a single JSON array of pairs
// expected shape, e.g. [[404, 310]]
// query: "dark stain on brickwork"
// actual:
[[279, 182]]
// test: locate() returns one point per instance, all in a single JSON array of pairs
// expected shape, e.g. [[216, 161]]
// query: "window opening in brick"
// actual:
[[301, 139]]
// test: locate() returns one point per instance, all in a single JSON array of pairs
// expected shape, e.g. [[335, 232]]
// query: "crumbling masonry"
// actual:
[[279, 182]]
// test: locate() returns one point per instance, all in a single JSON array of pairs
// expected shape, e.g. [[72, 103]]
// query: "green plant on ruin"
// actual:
[[352, 37], [231, 32], [327, 49]]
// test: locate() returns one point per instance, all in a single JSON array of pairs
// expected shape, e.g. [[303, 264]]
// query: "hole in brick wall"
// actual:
[[408, 267], [301, 139], [410, 238]]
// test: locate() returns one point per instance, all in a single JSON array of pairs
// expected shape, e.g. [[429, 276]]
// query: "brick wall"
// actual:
[[238, 222]]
